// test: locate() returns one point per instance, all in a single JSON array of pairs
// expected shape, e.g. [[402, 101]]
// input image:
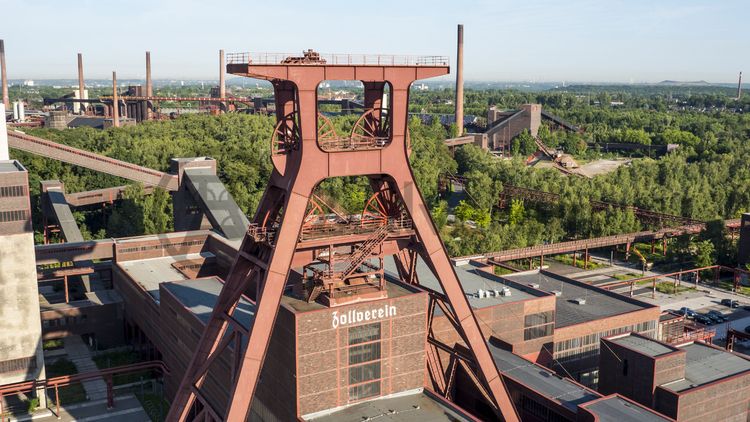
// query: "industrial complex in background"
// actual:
[[300, 312]]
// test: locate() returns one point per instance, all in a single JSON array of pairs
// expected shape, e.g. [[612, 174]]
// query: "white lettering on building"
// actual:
[[353, 316]]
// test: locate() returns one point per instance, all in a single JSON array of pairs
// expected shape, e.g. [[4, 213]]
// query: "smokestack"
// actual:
[[460, 82], [81, 85], [222, 70], [3, 134], [739, 87], [149, 85], [115, 102], [4, 76]]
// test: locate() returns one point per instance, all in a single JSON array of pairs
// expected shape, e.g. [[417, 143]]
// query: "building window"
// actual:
[[18, 215], [12, 191], [364, 361], [538, 325], [18, 365], [364, 333], [364, 391], [362, 373], [364, 353]]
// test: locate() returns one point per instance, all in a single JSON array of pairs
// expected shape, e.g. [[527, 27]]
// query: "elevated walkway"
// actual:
[[89, 160], [217, 203]]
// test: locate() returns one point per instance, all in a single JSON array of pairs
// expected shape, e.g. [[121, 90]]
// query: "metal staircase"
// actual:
[[365, 250]]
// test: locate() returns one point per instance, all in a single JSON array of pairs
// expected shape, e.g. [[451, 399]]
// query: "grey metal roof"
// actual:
[[7, 166], [617, 409], [472, 279], [599, 303], [542, 380], [417, 407], [217, 202], [705, 364], [64, 216], [200, 296], [643, 345], [151, 272]]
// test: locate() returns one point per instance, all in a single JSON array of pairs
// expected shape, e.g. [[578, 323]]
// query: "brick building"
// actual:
[[689, 382]]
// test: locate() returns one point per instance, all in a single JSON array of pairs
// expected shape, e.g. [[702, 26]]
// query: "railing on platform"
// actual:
[[55, 383], [325, 228], [336, 59]]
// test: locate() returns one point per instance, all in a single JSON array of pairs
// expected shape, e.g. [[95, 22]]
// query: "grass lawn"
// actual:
[[568, 260], [729, 285], [69, 394], [668, 287], [502, 271], [628, 276], [154, 405], [53, 344], [109, 360]]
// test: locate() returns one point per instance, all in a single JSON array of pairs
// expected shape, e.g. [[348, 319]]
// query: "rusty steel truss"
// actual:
[[341, 255]]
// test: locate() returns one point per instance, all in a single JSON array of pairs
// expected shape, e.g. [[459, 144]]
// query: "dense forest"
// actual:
[[706, 178]]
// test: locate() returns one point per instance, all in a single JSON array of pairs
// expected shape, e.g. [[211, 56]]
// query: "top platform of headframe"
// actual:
[[286, 66]]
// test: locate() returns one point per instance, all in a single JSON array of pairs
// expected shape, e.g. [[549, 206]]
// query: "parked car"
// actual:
[[689, 313], [730, 302], [747, 329], [716, 315], [702, 319]]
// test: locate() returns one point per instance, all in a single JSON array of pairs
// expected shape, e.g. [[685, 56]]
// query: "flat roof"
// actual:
[[705, 364], [617, 409], [200, 295], [415, 407], [643, 345], [542, 380], [151, 272], [8, 166], [472, 279], [599, 303]]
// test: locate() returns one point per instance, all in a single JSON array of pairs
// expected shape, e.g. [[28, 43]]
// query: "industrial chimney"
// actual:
[[3, 135], [739, 87], [149, 85], [222, 71], [460, 82], [115, 102], [81, 85], [4, 76]]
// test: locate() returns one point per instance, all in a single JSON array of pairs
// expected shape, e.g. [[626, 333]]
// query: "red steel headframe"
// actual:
[[298, 168]]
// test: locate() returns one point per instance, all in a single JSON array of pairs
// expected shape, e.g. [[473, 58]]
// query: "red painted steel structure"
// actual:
[[301, 161]]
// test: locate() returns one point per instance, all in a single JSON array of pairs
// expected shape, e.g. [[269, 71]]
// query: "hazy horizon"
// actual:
[[542, 41]]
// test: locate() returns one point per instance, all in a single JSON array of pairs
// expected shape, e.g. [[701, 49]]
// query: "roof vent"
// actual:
[[579, 301], [533, 285], [505, 291], [557, 293], [480, 293]]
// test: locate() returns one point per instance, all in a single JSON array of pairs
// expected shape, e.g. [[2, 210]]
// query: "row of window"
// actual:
[[540, 318], [17, 215], [364, 354], [161, 246], [12, 191], [593, 339], [538, 325], [532, 333], [18, 365]]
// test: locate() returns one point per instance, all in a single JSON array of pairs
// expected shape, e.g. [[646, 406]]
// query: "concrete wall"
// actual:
[[21, 355]]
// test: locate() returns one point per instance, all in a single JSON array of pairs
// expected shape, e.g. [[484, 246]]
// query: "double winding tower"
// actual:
[[341, 256]]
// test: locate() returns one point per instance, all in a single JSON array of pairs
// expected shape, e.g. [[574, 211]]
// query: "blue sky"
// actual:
[[521, 40]]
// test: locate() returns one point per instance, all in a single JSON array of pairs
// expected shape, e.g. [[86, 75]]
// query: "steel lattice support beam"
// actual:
[[300, 164]]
